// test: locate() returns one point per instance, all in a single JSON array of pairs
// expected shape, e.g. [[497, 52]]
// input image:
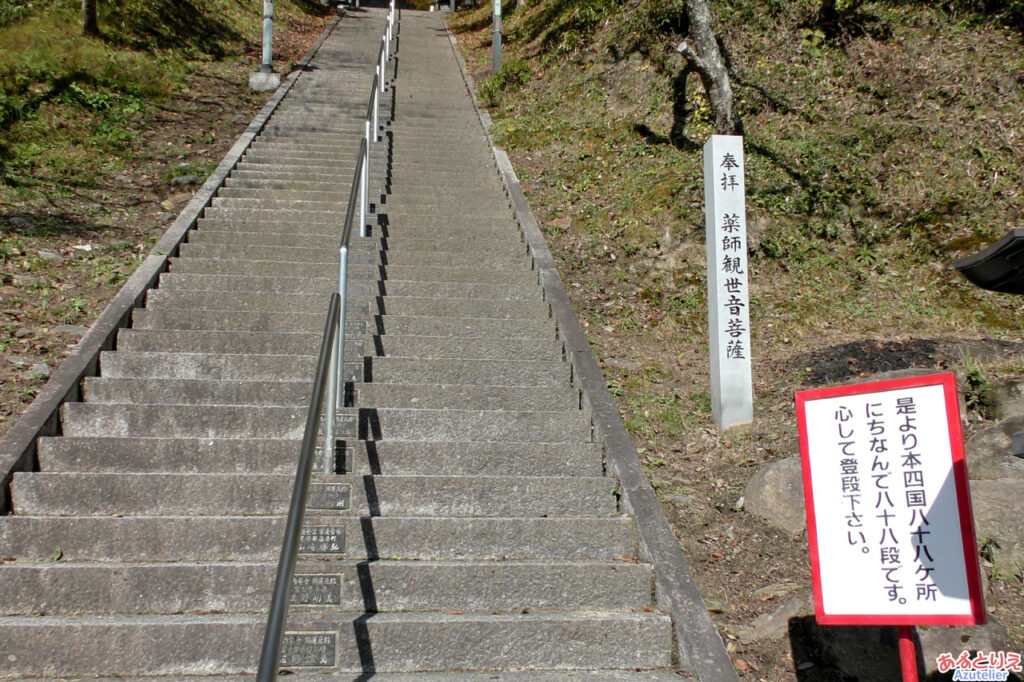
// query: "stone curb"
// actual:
[[18, 447], [699, 647]]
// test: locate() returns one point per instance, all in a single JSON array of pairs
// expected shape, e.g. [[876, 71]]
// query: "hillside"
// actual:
[[884, 140], [102, 141]]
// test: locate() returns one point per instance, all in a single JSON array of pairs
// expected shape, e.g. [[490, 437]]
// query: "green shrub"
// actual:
[[513, 75]]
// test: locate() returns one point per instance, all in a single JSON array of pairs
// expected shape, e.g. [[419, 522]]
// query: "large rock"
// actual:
[[776, 495], [999, 523], [1008, 398], [935, 640], [872, 652], [989, 455]]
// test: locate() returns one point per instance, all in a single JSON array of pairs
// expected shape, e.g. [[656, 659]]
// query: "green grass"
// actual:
[[72, 106]]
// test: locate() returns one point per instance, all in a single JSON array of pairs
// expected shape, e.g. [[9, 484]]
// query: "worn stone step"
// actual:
[[279, 456], [93, 588], [195, 392], [242, 253], [450, 242], [130, 494], [207, 421], [463, 397], [167, 299], [312, 322], [325, 285], [213, 320], [217, 266], [659, 675], [202, 341], [386, 370], [219, 644], [258, 538], [283, 343], [407, 424], [336, 218], [544, 639]]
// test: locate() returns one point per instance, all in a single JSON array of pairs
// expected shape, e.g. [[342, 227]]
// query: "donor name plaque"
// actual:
[[322, 540], [316, 589], [308, 649], [328, 496]]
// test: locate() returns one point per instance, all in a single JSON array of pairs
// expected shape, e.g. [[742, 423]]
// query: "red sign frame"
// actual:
[[963, 502]]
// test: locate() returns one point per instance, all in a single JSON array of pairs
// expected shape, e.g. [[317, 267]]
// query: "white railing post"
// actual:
[[339, 379], [364, 190], [332, 400]]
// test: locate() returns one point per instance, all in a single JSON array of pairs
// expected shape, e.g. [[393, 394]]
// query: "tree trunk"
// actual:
[[90, 26], [706, 59]]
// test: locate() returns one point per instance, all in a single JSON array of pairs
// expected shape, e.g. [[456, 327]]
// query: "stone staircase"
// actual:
[[468, 530]]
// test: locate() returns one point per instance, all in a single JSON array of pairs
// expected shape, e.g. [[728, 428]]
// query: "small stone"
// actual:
[[716, 605], [165, 217], [679, 499], [16, 221], [186, 180], [123, 179], [775, 624], [19, 360], [82, 247], [146, 182], [776, 494], [22, 332], [41, 370], [27, 280], [179, 198], [75, 329], [49, 255], [167, 205]]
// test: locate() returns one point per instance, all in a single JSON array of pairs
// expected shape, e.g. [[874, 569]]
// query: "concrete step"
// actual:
[[126, 645], [218, 266], [167, 299], [308, 323], [312, 322], [195, 392], [207, 421], [97, 588], [325, 285], [283, 343], [462, 397], [102, 494], [410, 424], [660, 675], [258, 538], [505, 241], [279, 456], [335, 217], [295, 254]]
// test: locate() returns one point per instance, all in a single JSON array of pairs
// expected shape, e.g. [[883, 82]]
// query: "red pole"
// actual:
[[908, 653]]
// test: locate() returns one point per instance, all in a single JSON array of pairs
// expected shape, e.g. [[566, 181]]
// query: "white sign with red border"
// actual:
[[889, 518]]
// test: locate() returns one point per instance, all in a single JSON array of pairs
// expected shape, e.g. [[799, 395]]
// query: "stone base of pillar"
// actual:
[[264, 81]]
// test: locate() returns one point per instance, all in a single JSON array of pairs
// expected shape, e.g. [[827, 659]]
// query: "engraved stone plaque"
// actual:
[[355, 327], [328, 496], [316, 589], [308, 649], [322, 540], [353, 371]]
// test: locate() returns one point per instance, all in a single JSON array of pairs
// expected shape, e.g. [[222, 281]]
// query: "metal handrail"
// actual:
[[330, 376], [272, 638]]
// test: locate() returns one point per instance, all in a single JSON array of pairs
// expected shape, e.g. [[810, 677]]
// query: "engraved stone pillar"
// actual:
[[732, 401]]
